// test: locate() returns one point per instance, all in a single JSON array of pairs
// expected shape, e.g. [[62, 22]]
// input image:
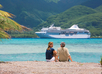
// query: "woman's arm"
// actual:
[[55, 55]]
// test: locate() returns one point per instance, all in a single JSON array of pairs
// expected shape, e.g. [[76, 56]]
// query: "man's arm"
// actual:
[[70, 58]]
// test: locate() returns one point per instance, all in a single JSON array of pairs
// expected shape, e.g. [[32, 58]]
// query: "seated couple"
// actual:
[[61, 55]]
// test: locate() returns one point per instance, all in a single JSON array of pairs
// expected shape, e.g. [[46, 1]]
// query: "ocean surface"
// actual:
[[33, 49]]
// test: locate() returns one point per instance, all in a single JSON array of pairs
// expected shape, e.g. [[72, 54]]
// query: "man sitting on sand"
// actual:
[[63, 53]]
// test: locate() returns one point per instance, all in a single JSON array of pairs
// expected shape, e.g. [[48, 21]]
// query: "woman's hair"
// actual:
[[50, 43]]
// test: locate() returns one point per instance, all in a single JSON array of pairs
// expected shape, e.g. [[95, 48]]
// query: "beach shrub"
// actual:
[[2, 62], [101, 61]]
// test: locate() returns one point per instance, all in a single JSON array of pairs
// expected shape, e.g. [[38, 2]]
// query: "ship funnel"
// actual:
[[74, 27], [51, 26]]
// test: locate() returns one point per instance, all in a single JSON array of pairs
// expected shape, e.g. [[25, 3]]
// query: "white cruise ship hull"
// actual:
[[56, 32], [49, 35]]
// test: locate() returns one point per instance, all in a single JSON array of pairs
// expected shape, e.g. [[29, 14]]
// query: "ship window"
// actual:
[[80, 32], [71, 32], [86, 32], [63, 32], [75, 32], [67, 33]]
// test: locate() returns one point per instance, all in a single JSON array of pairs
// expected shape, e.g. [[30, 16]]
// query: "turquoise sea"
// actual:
[[33, 49]]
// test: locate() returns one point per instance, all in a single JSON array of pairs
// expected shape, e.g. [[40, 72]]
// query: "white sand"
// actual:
[[34, 67]]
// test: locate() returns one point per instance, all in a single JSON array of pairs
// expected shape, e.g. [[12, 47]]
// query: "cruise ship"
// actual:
[[56, 32]]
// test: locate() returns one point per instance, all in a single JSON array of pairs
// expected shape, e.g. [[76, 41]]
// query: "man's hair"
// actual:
[[62, 44]]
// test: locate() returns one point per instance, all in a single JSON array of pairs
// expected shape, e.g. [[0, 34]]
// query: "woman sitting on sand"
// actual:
[[50, 53]]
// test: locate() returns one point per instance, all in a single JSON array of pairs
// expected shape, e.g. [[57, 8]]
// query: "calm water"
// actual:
[[81, 50]]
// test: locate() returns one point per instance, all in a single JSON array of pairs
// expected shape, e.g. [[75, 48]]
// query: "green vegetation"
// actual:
[[0, 6], [7, 24], [101, 61], [55, 1], [33, 18], [25, 34]]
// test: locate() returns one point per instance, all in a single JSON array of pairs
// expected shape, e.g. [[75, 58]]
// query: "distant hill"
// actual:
[[33, 12], [84, 16], [92, 3], [99, 8], [72, 13]]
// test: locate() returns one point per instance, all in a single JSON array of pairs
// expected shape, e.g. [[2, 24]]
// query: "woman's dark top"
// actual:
[[49, 53]]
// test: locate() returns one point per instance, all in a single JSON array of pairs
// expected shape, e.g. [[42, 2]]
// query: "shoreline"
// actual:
[[42, 67]]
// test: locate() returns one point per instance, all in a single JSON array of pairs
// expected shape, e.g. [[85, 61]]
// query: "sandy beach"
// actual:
[[42, 67]]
